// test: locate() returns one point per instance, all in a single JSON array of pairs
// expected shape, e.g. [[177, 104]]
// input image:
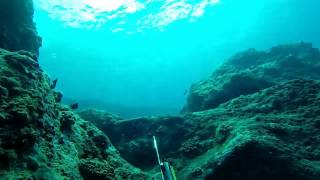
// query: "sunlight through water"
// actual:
[[122, 14]]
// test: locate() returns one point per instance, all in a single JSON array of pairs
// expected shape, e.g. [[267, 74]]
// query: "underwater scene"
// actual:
[[159, 90]]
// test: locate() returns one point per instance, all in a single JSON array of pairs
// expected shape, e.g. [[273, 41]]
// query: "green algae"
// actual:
[[248, 137], [251, 71], [41, 138]]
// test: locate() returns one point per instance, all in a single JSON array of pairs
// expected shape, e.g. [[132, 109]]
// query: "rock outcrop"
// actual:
[[251, 71], [271, 134], [42, 139], [133, 137], [39, 137], [257, 117], [17, 29]]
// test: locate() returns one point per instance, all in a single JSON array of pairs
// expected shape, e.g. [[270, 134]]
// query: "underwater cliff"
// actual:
[[256, 117]]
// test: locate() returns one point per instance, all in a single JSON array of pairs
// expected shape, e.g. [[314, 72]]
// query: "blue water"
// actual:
[[140, 57]]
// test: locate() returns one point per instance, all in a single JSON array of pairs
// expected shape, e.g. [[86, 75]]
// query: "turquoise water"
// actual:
[[140, 57]]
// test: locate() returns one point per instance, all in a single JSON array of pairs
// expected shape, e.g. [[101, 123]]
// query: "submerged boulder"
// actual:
[[251, 71], [42, 139]]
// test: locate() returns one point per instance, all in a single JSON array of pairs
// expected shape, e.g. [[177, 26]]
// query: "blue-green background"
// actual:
[[149, 72]]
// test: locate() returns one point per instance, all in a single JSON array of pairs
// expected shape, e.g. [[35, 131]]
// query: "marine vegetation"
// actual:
[[270, 130], [257, 117]]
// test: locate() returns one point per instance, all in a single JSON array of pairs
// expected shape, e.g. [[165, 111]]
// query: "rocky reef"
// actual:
[[271, 134], [251, 71], [17, 29], [133, 137], [42, 139], [264, 124], [256, 117], [39, 137]]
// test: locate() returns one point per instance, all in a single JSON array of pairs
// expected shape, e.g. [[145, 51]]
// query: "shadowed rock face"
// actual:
[[17, 30], [272, 134], [133, 138], [251, 71]]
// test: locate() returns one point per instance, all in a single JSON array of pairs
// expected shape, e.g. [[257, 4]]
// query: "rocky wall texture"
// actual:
[[17, 29], [251, 71], [42, 139], [257, 117], [271, 134], [39, 137]]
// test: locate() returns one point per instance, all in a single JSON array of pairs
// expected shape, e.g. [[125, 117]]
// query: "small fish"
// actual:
[[54, 83], [74, 106]]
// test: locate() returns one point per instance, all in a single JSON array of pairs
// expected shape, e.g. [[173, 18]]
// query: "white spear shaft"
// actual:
[[158, 156]]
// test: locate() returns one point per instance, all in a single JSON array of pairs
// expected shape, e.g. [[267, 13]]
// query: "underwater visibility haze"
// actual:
[[159, 89], [140, 57]]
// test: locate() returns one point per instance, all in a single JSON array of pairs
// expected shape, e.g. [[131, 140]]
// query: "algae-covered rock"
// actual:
[[97, 169], [271, 134], [251, 71], [253, 120], [133, 137], [258, 137], [42, 139], [17, 30]]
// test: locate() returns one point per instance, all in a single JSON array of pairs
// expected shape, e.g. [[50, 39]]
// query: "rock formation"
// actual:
[[251, 71], [39, 137], [271, 134], [17, 29], [258, 118]]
